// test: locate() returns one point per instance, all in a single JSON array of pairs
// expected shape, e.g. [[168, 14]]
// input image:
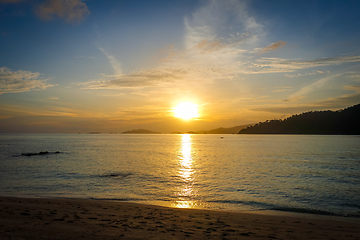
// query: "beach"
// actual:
[[55, 218]]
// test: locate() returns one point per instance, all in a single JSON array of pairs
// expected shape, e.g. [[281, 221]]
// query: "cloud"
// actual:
[[72, 11], [274, 65], [115, 64], [283, 89], [213, 22], [355, 76], [335, 103], [83, 57], [21, 81], [305, 74], [273, 46], [210, 54], [213, 52], [319, 84], [149, 112], [352, 88], [296, 109], [320, 62], [208, 46], [141, 78]]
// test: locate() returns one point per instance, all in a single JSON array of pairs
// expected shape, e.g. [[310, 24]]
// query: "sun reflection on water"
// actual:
[[186, 172]]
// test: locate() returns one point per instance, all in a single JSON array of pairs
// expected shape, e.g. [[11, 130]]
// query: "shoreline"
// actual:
[[70, 218], [276, 212]]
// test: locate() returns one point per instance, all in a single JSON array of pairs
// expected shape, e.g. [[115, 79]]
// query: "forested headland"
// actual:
[[343, 122]]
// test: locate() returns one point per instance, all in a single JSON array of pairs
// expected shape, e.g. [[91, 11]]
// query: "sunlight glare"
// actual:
[[186, 110], [186, 192]]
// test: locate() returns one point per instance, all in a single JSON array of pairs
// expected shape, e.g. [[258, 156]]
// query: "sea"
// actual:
[[317, 174]]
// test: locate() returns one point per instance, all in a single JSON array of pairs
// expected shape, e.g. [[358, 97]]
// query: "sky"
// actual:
[[69, 66]]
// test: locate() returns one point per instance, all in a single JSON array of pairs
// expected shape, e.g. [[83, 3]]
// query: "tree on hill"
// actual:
[[343, 122]]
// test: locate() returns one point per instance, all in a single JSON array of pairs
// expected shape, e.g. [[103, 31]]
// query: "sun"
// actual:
[[186, 110]]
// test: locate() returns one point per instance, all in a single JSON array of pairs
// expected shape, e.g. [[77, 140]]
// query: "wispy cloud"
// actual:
[[306, 74], [283, 89], [21, 81], [144, 112], [211, 23], [141, 78], [319, 62], [208, 46], [115, 64], [83, 57], [319, 84], [268, 65], [72, 11], [334, 103], [352, 88], [273, 46], [211, 50], [214, 55], [16, 110]]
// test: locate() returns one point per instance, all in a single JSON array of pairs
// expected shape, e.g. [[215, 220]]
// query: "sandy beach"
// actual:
[[40, 218]]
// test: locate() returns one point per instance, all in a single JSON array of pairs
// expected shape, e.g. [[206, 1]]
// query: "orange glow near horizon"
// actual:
[[186, 111]]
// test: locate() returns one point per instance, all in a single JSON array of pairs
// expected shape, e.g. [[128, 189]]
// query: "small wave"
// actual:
[[117, 175], [118, 199], [36, 154], [306, 210], [267, 206]]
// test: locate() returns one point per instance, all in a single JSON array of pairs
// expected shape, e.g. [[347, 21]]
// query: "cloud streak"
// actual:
[[115, 64], [21, 81], [355, 88], [141, 78], [72, 11], [278, 65], [273, 46], [311, 88], [334, 103]]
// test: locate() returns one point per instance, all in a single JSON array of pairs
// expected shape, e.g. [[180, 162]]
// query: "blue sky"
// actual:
[[110, 66]]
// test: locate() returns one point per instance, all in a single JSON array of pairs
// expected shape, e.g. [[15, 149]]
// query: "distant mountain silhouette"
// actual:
[[344, 122], [222, 130], [140, 131]]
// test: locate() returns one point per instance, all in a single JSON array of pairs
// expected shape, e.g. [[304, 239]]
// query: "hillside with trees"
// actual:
[[343, 122]]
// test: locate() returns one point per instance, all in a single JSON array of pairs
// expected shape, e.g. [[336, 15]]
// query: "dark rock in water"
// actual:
[[39, 153]]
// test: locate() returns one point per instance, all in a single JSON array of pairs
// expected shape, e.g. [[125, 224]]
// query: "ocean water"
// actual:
[[296, 173]]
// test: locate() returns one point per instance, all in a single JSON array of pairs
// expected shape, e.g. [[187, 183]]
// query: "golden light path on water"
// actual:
[[186, 172]]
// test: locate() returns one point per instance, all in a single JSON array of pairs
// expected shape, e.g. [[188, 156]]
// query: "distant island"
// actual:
[[140, 131], [342, 122], [221, 130]]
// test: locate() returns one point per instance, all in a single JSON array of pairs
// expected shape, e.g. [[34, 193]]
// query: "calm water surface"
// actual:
[[302, 173]]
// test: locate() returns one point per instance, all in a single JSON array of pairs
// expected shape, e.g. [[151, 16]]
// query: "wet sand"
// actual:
[[40, 218]]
